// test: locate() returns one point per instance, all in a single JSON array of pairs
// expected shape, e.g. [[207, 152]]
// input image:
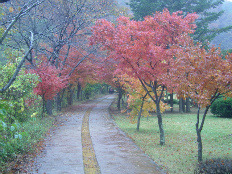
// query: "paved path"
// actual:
[[89, 142]]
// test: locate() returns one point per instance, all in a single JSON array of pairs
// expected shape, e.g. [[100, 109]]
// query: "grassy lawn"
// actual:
[[179, 155]]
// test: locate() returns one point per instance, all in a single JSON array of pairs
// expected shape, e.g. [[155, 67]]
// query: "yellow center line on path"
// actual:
[[89, 158]]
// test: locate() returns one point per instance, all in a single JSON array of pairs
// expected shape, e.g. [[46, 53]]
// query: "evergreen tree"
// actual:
[[204, 8]]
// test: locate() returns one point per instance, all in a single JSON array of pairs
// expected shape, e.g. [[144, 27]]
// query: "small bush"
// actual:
[[20, 140], [215, 166], [222, 107]]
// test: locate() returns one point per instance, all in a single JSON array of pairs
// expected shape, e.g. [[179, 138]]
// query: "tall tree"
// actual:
[[142, 49], [204, 8], [50, 84], [55, 25], [202, 75], [8, 23]]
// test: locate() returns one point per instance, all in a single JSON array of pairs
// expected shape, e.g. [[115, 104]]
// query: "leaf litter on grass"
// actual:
[[179, 155]]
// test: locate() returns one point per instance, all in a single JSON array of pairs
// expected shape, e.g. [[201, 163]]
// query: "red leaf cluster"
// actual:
[[50, 83], [142, 48], [201, 74]]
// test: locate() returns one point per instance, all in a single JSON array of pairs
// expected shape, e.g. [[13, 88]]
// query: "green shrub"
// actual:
[[222, 107], [88, 91], [215, 166], [19, 138]]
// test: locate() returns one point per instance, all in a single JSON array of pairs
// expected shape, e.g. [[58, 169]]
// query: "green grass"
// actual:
[[179, 154], [36, 129]]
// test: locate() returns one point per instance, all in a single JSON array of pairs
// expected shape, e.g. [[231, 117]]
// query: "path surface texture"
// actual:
[[88, 141]]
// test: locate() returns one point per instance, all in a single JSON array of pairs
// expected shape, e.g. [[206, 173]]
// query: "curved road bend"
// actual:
[[89, 142]]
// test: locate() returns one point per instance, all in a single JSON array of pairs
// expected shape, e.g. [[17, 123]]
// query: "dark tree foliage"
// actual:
[[204, 8], [216, 166], [2, 1]]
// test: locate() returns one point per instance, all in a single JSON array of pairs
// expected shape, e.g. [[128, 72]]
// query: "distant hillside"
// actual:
[[224, 40], [122, 2]]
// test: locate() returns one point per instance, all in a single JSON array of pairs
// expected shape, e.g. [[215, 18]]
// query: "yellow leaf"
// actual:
[[11, 9]]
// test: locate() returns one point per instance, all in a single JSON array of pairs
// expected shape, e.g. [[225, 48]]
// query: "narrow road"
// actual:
[[89, 142]]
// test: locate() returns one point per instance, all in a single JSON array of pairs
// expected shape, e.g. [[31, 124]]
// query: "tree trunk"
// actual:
[[49, 104], [123, 103], [181, 105], [199, 142], [70, 95], [81, 93], [157, 100], [188, 105], [44, 105], [78, 91], [119, 98], [58, 102], [160, 122], [140, 114], [171, 101], [199, 128], [138, 121]]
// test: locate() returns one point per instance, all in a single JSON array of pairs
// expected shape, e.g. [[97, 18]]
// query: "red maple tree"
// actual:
[[50, 83], [143, 49], [202, 75]]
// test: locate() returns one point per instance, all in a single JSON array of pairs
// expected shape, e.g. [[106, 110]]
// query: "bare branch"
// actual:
[[26, 8], [18, 67], [83, 58]]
